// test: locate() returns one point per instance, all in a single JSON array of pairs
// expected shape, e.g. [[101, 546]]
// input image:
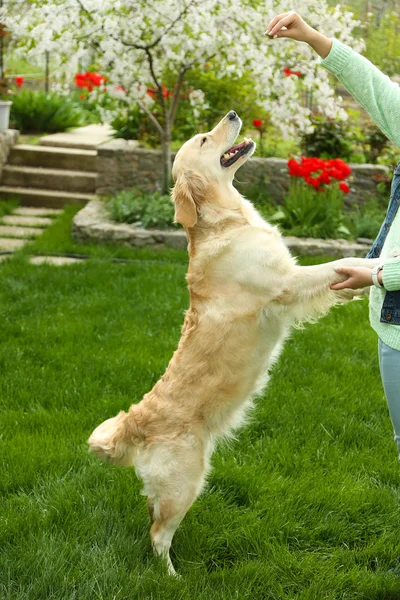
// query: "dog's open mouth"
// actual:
[[234, 153]]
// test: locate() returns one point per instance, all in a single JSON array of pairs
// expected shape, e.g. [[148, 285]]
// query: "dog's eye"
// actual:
[[203, 141]]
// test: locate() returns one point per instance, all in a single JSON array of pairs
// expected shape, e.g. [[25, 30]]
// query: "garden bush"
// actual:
[[375, 143], [142, 209], [33, 111], [365, 221], [331, 138], [307, 213]]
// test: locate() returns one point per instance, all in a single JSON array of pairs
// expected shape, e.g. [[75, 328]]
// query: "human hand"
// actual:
[[356, 278], [291, 25]]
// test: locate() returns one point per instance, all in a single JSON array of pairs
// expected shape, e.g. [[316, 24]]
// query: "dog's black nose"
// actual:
[[232, 115]]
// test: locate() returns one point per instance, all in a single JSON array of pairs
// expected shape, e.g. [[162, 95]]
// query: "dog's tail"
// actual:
[[117, 439]]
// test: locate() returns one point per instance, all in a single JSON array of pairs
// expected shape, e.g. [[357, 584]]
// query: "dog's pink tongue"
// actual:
[[237, 147]]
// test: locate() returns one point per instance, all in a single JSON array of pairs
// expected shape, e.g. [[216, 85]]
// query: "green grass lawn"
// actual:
[[304, 505]]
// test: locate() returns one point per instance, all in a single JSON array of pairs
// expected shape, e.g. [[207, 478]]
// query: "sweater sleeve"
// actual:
[[376, 93], [391, 275]]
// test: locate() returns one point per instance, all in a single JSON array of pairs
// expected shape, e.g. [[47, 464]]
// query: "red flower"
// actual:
[[89, 79], [19, 81], [325, 171], [120, 88], [315, 182], [257, 123], [288, 72], [82, 97], [153, 92]]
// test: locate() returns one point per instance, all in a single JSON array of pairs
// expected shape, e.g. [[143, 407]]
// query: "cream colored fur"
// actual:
[[246, 291]]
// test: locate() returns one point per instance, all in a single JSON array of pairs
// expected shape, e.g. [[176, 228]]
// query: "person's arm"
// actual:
[[376, 93], [360, 277], [391, 275]]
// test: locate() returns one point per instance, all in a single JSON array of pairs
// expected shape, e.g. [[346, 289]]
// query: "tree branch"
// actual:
[[152, 118], [159, 38], [159, 87], [175, 99]]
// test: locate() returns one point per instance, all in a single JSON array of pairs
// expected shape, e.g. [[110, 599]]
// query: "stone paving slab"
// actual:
[[35, 211], [28, 221], [11, 243], [57, 261], [88, 137], [19, 232]]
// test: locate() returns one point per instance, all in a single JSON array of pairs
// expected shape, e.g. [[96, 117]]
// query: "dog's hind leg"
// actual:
[[173, 494], [169, 514]]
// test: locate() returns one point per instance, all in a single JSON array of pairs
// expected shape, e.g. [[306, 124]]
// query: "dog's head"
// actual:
[[207, 162]]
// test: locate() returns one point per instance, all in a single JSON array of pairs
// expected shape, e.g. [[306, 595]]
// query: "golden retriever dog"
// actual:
[[246, 291]]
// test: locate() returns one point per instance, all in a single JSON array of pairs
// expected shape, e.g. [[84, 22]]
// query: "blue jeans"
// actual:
[[389, 364]]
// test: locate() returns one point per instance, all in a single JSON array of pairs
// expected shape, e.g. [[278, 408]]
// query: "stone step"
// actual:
[[49, 179], [19, 232], [53, 158], [25, 221], [58, 261], [48, 198], [87, 138], [11, 243], [35, 211]]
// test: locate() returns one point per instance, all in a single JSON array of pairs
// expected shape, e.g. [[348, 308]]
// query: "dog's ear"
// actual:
[[187, 193]]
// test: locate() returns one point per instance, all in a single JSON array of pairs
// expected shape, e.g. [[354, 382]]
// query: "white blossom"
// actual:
[[179, 35]]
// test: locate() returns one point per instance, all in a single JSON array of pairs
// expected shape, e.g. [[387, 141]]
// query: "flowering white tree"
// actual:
[[138, 42]]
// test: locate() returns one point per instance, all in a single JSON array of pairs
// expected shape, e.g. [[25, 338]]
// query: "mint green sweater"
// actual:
[[381, 99]]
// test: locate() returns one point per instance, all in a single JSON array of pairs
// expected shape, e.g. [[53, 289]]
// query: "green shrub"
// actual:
[[365, 221], [331, 138], [45, 112], [147, 210], [375, 142], [308, 213], [131, 123]]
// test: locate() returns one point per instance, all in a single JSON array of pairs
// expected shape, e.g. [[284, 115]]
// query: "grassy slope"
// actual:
[[304, 505]]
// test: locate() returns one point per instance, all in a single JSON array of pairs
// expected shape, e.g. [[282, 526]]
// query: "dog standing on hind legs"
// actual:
[[246, 291]]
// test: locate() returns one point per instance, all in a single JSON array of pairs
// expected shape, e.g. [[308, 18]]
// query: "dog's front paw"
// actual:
[[348, 294], [394, 253]]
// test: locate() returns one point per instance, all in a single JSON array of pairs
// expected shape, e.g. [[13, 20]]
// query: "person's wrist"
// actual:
[[310, 35], [319, 42]]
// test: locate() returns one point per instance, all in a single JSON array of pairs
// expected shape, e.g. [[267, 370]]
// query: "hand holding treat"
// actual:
[[292, 25]]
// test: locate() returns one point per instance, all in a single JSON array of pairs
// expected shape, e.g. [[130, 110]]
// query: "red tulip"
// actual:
[[344, 187], [257, 123], [19, 81]]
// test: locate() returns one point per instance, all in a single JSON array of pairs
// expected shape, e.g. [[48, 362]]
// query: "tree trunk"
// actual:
[[166, 159]]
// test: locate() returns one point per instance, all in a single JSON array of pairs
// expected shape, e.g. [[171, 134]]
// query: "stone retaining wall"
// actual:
[[93, 223], [122, 164], [7, 140]]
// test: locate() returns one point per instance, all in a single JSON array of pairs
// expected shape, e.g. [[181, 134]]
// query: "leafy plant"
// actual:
[[308, 213], [376, 142], [152, 211], [131, 123], [365, 221], [40, 111], [331, 138]]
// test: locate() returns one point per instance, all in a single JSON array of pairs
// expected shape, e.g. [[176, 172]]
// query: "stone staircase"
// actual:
[[49, 176]]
